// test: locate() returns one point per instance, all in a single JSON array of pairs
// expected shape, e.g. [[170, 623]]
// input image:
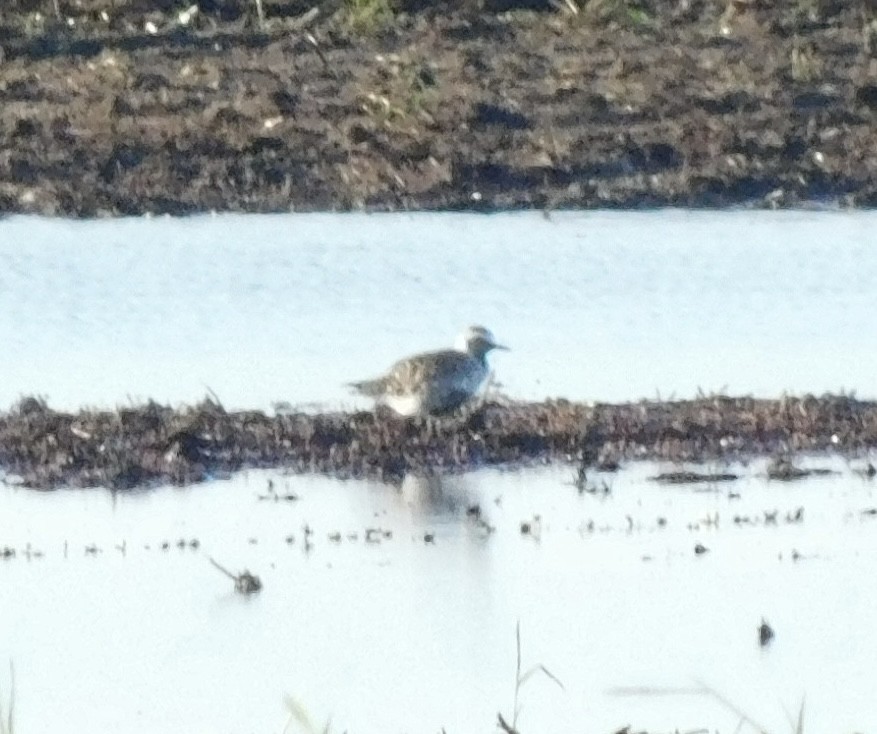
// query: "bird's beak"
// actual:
[[500, 346]]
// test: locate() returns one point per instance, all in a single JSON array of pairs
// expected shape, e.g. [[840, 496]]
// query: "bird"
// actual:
[[434, 383]]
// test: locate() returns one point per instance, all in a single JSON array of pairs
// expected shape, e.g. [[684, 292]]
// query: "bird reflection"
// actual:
[[434, 495]]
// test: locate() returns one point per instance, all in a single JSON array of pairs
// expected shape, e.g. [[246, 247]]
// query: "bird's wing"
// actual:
[[414, 373]]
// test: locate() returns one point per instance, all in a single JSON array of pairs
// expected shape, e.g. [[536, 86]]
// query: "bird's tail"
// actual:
[[371, 388]]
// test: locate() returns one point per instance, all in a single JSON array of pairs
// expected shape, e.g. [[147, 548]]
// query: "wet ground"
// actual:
[[154, 444], [136, 107]]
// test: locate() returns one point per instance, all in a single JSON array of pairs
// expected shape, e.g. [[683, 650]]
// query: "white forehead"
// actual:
[[473, 332]]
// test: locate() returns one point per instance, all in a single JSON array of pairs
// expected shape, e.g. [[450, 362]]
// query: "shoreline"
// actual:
[[152, 444], [128, 110]]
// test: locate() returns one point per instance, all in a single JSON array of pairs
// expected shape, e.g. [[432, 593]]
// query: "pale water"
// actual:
[[404, 635], [290, 308]]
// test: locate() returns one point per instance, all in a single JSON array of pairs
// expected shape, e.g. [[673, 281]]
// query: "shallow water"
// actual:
[[400, 634], [405, 635], [596, 306]]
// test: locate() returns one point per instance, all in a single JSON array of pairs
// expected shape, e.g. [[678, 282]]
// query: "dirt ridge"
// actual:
[[154, 444], [151, 107]]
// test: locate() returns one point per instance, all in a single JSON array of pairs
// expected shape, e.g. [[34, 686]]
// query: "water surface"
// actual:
[[401, 634], [407, 635], [596, 306]]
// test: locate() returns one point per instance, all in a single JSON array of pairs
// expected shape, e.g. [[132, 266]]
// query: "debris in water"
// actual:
[[868, 472], [533, 527], [765, 633], [244, 583], [274, 495], [691, 477], [796, 516], [373, 535], [783, 469]]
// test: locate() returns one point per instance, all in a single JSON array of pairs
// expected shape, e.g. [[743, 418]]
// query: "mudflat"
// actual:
[[154, 444], [117, 107]]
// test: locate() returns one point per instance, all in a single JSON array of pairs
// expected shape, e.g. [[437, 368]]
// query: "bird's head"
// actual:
[[477, 341]]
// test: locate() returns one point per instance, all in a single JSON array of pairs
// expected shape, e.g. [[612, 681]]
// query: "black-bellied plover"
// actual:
[[433, 383]]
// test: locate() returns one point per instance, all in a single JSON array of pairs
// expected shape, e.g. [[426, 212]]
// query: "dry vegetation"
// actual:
[[152, 444]]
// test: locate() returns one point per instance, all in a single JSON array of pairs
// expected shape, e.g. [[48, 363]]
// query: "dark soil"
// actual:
[[116, 107], [153, 444]]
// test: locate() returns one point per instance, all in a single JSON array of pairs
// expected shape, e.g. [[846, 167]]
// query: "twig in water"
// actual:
[[733, 708], [797, 726], [298, 714], [244, 583], [504, 725], [520, 680], [701, 689], [7, 726]]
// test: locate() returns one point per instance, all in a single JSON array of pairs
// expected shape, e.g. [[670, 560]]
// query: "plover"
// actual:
[[433, 383]]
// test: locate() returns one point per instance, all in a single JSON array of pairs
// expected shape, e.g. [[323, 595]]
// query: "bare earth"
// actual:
[[118, 107]]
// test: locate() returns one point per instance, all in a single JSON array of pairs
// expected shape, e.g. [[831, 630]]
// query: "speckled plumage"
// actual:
[[434, 382]]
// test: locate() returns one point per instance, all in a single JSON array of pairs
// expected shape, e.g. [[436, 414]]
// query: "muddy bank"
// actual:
[[155, 444], [136, 106]]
